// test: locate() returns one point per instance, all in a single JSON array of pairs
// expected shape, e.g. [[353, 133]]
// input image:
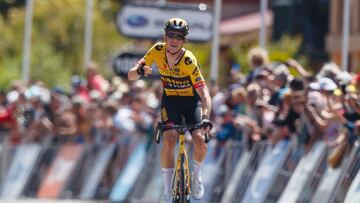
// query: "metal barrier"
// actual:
[[351, 167], [55, 172], [284, 174], [233, 151], [149, 186], [93, 174], [252, 165]]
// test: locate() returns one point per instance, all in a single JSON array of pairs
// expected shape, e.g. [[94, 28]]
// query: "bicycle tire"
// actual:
[[183, 185]]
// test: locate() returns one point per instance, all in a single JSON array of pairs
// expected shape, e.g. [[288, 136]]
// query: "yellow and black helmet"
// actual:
[[177, 25]]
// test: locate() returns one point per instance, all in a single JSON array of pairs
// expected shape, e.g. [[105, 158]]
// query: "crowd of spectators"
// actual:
[[95, 110], [269, 103]]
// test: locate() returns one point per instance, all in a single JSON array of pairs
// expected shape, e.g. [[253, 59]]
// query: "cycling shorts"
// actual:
[[174, 107]]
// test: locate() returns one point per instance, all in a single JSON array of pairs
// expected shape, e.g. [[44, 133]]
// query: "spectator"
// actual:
[[95, 81], [79, 89], [282, 78], [236, 101], [80, 110], [258, 59]]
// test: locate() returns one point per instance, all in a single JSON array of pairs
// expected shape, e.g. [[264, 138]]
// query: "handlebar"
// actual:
[[159, 129]]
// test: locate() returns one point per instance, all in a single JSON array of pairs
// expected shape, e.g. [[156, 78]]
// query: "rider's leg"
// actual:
[[167, 158], [200, 150]]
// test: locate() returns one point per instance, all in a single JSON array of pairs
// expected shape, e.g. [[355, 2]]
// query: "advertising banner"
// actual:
[[60, 171], [307, 165], [147, 20], [353, 195], [265, 176], [209, 171], [20, 170], [129, 174], [92, 181], [236, 178], [331, 182]]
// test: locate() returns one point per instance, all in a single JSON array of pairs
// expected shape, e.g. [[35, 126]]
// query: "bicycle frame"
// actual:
[[182, 166]]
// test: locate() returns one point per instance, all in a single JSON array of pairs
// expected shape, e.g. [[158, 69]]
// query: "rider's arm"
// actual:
[[140, 69], [298, 67], [200, 87], [148, 59], [205, 100], [133, 72]]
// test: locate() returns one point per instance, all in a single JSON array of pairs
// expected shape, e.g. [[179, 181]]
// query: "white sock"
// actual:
[[167, 175], [197, 169]]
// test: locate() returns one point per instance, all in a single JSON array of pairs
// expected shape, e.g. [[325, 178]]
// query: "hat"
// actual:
[[261, 73], [344, 78], [280, 69], [76, 81], [314, 98], [323, 84], [12, 96], [95, 94]]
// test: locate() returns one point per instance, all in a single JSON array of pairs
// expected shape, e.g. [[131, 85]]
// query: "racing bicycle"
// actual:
[[181, 179]]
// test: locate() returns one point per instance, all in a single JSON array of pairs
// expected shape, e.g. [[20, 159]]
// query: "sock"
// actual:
[[167, 175], [197, 169]]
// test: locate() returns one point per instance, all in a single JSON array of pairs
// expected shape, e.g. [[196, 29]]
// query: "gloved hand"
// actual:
[[206, 123], [140, 70]]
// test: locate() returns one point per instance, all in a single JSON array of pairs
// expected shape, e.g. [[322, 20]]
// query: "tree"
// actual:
[[57, 40]]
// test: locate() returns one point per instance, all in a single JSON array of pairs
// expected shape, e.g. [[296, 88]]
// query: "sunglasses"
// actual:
[[175, 36]]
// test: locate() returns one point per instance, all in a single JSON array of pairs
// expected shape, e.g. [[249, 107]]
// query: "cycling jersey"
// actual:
[[180, 80]]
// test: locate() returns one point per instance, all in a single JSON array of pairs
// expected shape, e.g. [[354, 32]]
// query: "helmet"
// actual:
[[177, 25]]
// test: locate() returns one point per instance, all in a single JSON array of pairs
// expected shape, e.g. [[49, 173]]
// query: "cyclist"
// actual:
[[184, 93]]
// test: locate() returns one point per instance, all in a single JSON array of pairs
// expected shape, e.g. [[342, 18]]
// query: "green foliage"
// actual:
[[9, 74], [58, 43], [202, 51], [46, 66], [57, 40]]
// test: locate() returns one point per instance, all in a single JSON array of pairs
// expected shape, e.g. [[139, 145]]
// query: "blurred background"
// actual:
[[314, 29], [283, 75]]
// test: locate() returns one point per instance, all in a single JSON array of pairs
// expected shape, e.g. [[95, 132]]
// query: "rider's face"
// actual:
[[174, 41]]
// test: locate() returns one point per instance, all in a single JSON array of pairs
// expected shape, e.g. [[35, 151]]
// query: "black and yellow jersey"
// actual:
[[183, 78]]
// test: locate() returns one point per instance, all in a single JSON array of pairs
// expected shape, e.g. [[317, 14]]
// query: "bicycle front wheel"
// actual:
[[184, 197]]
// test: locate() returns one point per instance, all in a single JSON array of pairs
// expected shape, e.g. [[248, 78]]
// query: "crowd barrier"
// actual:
[[129, 171]]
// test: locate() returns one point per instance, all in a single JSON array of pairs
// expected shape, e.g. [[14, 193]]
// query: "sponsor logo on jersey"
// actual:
[[159, 47], [188, 61], [176, 83], [196, 72], [198, 79], [164, 114], [199, 84], [176, 71]]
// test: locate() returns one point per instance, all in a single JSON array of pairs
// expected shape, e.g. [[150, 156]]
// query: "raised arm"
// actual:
[[138, 70], [298, 67]]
